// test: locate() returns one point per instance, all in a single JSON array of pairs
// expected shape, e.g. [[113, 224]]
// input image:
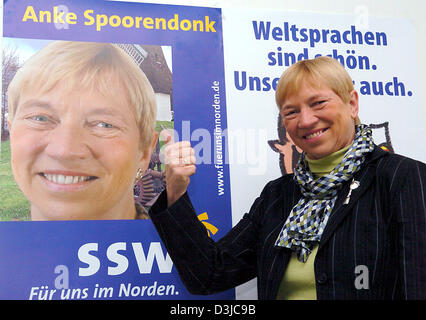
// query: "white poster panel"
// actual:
[[378, 53]]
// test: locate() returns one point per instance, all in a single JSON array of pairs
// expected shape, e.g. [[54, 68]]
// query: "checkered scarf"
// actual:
[[307, 220]]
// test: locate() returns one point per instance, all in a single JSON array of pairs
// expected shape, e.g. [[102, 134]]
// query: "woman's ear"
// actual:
[[353, 103], [147, 151]]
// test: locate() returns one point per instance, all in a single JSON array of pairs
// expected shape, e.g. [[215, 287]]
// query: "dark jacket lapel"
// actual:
[[365, 177]]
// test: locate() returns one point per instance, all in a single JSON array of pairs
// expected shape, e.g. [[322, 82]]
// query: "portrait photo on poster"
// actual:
[[88, 86], [80, 135]]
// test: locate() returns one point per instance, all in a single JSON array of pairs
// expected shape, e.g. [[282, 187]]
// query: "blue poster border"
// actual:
[[32, 253]]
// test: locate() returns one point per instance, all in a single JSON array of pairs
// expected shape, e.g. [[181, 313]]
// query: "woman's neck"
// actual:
[[324, 166]]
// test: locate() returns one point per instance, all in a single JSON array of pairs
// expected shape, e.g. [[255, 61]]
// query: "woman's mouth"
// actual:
[[314, 134], [66, 179]]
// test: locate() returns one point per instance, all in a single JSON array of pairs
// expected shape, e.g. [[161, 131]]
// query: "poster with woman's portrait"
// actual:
[[88, 87], [41, 113]]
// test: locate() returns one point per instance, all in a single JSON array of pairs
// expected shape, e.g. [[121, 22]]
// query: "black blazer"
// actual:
[[382, 229]]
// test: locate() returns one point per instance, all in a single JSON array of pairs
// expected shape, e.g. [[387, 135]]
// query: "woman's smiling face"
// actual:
[[75, 153], [318, 121]]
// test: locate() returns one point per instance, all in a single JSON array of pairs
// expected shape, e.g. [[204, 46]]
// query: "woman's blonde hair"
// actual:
[[90, 65], [319, 71]]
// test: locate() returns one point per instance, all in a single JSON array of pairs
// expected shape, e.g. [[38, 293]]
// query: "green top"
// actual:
[[325, 165], [298, 282]]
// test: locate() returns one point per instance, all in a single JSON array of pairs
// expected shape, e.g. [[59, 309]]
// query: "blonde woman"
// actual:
[[82, 124], [349, 223]]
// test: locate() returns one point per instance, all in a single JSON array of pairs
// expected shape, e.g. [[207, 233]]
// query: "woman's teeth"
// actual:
[[315, 134], [63, 179]]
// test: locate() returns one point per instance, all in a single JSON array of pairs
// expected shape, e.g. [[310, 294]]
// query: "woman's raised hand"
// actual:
[[179, 158]]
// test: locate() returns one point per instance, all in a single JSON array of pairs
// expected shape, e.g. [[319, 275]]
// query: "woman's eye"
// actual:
[[104, 125], [319, 102], [39, 118], [290, 113], [40, 121]]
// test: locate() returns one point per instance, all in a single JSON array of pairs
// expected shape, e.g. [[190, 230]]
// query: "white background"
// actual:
[[257, 110]]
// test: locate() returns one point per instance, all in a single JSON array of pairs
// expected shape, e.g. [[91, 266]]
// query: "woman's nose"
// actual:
[[67, 142], [307, 118]]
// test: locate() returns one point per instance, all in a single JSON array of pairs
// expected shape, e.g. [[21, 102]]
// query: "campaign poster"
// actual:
[[236, 133], [180, 51], [378, 53]]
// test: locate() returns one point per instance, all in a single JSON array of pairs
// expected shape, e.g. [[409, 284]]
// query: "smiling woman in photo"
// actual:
[[349, 223], [82, 126]]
